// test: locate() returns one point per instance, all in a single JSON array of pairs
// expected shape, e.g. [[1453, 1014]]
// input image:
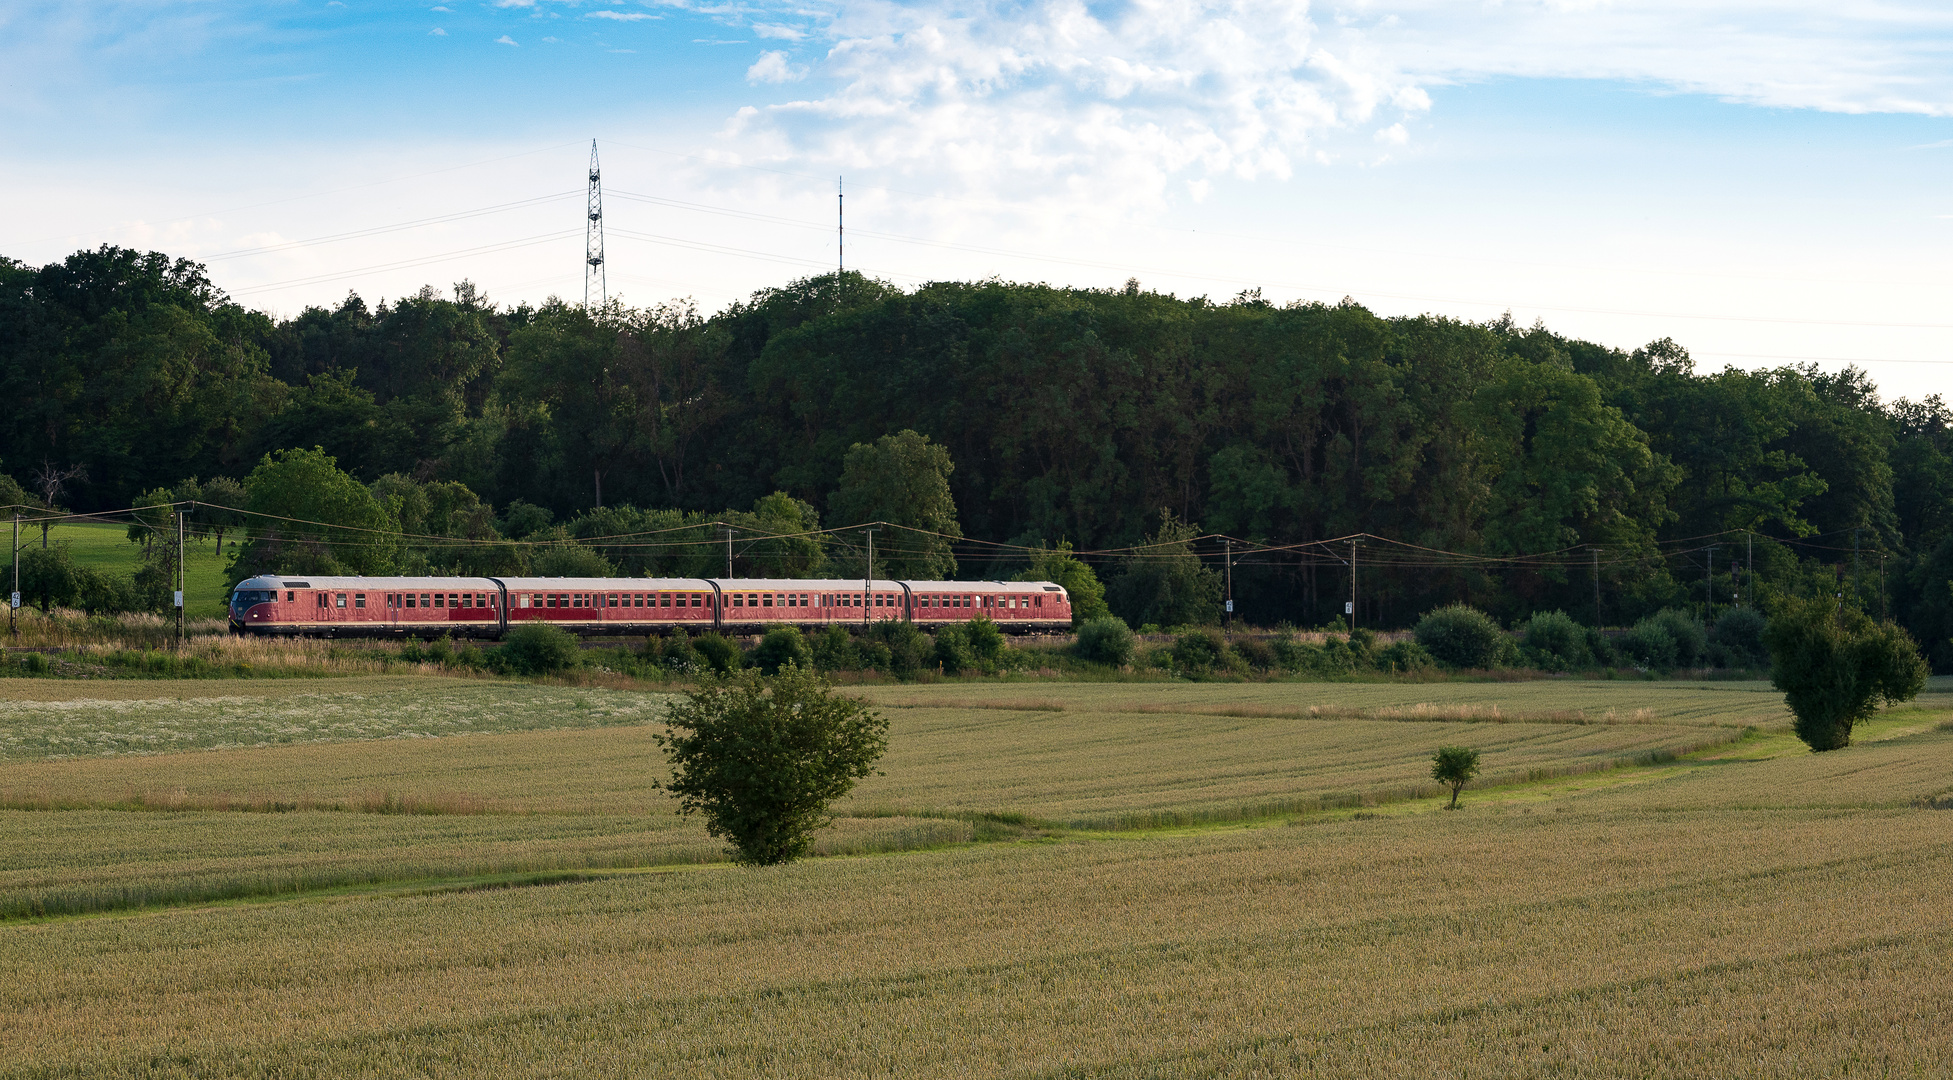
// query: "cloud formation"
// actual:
[[1116, 100], [1106, 102]]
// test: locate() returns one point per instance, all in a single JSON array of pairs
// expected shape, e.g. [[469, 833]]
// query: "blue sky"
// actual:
[[1760, 181]]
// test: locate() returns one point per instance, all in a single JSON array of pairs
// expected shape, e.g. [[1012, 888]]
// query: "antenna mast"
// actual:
[[840, 226], [594, 293]]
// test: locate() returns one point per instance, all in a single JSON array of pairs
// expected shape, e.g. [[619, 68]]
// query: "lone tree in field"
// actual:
[[762, 758], [1454, 767], [1835, 667]]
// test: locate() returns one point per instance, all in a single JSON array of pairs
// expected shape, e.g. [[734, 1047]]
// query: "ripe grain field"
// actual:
[[1662, 885]]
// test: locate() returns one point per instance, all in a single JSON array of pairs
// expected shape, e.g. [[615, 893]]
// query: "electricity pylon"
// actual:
[[594, 293]]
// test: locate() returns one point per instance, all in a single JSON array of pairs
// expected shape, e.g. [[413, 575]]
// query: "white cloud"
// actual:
[[438, 9], [776, 31], [1394, 135], [506, 40], [772, 67], [1885, 56], [621, 16], [437, 32], [1101, 104]]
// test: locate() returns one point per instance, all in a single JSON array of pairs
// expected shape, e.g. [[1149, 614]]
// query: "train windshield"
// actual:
[[242, 599]]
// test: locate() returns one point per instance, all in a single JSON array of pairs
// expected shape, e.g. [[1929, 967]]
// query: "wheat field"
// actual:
[[1242, 881]]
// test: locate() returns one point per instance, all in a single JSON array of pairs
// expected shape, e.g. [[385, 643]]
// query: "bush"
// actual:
[[834, 650], [986, 641], [1199, 650], [1554, 642], [953, 650], [536, 649], [1690, 636], [1258, 654], [906, 648], [674, 652], [1648, 645], [1461, 636], [1739, 636], [1403, 657], [720, 653], [781, 646], [1105, 640], [1834, 668], [762, 759]]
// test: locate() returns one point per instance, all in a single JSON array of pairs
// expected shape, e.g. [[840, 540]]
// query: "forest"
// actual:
[[1501, 465]]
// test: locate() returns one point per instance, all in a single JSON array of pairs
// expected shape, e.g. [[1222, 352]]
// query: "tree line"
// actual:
[[1035, 416]]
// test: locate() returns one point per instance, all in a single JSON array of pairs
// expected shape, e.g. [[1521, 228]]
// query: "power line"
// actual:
[[382, 229]]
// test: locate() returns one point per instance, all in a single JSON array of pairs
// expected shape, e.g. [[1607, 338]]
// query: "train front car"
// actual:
[[255, 607]]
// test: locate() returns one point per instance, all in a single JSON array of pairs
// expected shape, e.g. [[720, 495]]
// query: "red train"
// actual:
[[485, 607]]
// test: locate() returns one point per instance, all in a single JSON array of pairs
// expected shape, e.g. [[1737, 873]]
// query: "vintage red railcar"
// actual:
[[486, 607]]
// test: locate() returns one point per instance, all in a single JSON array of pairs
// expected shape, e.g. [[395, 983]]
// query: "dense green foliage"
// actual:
[[535, 649], [1047, 415], [1461, 636], [1835, 667], [763, 758], [1454, 767], [1105, 640]]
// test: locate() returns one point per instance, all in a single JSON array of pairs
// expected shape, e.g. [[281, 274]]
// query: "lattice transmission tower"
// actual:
[[594, 293]]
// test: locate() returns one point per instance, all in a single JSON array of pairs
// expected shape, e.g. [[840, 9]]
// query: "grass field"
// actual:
[[107, 548], [419, 877]]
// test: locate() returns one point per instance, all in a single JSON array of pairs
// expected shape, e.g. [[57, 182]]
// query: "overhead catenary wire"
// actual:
[[1406, 556]]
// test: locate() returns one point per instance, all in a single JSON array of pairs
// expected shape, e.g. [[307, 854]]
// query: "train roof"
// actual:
[[611, 584], [985, 586], [336, 582]]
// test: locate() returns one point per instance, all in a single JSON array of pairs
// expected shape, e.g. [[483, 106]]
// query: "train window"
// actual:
[[440, 599], [288, 597], [637, 599], [339, 599], [359, 600], [767, 600]]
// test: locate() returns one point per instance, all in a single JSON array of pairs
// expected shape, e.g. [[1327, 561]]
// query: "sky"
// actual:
[[1766, 182]]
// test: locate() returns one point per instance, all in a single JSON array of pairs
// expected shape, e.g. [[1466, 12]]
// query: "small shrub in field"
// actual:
[[1599, 647], [674, 652], [1648, 645], [834, 650], [1460, 636], [986, 641], [1199, 650], [953, 649], [1454, 767], [1834, 668], [538, 649], [781, 646], [762, 758], [1258, 654], [1554, 642], [909, 650], [1403, 658], [1738, 633], [1105, 640], [720, 653], [1690, 637]]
